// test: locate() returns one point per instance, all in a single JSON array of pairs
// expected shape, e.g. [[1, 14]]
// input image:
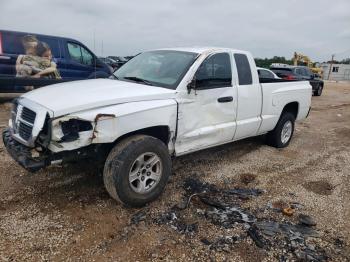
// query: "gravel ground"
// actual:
[[65, 213]]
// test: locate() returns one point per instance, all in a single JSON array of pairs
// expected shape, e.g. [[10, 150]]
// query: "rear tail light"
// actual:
[[289, 77]]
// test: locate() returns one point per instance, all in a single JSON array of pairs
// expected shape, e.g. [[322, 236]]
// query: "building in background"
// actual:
[[337, 72]]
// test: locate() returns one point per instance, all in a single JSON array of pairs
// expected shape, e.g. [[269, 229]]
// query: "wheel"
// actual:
[[137, 170], [281, 135], [318, 92]]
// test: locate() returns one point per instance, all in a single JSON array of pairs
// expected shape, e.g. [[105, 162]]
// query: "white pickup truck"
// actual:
[[161, 104]]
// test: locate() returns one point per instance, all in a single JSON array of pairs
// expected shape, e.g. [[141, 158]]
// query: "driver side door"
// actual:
[[207, 115]]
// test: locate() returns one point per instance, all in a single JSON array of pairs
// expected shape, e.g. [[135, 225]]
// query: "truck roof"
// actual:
[[201, 50]]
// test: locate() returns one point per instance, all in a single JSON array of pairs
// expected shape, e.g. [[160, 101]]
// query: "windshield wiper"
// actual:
[[137, 79]]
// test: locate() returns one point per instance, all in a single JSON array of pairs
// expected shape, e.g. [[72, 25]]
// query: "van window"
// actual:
[[80, 54], [243, 69], [214, 72], [87, 58]]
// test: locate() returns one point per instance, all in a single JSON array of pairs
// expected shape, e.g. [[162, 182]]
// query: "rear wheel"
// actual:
[[281, 135], [137, 170]]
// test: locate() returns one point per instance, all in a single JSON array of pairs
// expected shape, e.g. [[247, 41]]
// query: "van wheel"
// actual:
[[281, 135], [318, 92], [137, 170]]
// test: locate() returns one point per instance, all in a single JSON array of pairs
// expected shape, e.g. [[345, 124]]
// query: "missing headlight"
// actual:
[[72, 127]]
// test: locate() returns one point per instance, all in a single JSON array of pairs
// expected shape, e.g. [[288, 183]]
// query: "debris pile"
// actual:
[[223, 208]]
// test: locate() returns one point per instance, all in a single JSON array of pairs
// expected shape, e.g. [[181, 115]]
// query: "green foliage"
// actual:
[[266, 62]]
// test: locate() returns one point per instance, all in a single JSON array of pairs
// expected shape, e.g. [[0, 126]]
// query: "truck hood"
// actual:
[[70, 97]]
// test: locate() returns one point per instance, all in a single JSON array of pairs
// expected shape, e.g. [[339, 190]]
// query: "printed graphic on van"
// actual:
[[29, 61], [37, 61]]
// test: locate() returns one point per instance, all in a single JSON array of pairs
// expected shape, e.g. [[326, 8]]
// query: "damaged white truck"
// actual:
[[159, 105]]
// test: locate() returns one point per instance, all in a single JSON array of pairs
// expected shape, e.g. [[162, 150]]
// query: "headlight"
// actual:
[[72, 127]]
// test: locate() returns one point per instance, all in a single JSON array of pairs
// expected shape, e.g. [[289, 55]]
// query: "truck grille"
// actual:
[[25, 131], [23, 120], [28, 115]]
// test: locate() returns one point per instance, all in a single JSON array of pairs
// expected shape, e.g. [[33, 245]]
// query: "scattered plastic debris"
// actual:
[[223, 208], [223, 243], [171, 218], [138, 217], [306, 220]]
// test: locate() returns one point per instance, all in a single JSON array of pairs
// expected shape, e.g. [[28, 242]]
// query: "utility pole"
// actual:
[[330, 67]]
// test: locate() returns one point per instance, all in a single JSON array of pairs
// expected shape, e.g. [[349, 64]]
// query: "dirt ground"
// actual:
[[65, 213]]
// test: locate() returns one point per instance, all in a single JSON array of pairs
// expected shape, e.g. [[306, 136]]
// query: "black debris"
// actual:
[[228, 216], [256, 236], [192, 186], [223, 243], [205, 241], [311, 255], [172, 219], [306, 220], [138, 217]]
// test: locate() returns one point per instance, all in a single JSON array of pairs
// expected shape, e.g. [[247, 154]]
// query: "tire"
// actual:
[[274, 137], [127, 161], [319, 90]]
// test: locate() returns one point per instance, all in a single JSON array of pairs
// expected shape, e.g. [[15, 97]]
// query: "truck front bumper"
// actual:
[[22, 154]]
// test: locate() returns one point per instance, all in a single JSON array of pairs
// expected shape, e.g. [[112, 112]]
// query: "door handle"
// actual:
[[225, 99]]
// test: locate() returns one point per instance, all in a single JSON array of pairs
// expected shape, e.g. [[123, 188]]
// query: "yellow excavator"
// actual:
[[306, 60]]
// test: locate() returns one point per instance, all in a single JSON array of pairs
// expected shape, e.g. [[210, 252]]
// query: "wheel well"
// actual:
[[292, 107], [160, 132]]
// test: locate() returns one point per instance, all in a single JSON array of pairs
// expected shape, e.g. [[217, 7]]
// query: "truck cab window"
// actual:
[[80, 54], [243, 69], [214, 72]]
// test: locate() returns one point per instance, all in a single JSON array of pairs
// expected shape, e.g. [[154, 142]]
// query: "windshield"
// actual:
[[161, 68]]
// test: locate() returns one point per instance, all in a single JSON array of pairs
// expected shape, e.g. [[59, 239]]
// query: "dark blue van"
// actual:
[[28, 61]]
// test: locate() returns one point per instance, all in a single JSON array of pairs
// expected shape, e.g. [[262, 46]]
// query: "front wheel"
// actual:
[[137, 170], [281, 135]]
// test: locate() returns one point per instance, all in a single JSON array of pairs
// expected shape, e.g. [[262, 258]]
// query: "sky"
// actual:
[[266, 28]]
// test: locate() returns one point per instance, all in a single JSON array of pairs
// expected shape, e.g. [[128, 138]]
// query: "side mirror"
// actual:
[[191, 85]]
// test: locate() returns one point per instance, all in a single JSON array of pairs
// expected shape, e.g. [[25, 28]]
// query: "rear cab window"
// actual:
[[243, 69]]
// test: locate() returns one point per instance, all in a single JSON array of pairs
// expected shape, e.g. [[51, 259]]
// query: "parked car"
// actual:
[[129, 57], [32, 60], [120, 60], [111, 62], [132, 125], [300, 73], [266, 73]]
